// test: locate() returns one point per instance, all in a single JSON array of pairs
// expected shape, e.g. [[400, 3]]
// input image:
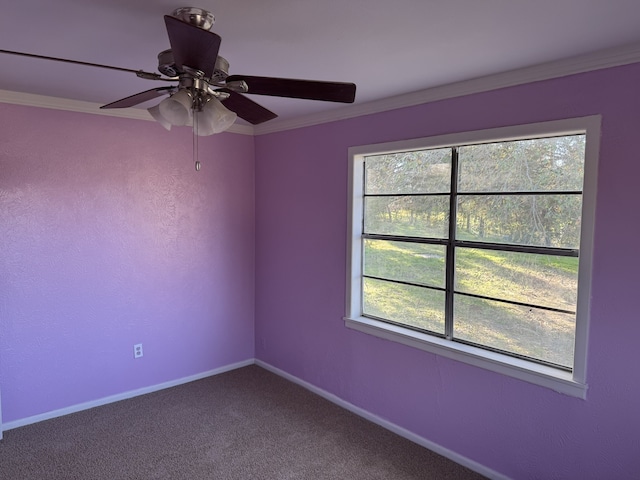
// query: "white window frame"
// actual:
[[570, 383]]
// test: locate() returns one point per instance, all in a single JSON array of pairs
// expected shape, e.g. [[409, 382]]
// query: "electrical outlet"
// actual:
[[137, 350]]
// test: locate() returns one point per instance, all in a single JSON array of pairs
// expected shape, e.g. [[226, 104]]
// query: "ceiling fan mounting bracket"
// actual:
[[239, 86], [148, 75]]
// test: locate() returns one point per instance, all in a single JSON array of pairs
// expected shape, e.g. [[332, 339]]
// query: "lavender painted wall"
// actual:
[[110, 238], [515, 428]]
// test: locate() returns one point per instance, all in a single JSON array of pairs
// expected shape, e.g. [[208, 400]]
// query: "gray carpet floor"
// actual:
[[243, 424]]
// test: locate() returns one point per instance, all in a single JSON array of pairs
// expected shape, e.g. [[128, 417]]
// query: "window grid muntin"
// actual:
[[451, 251], [391, 224], [512, 302], [404, 282], [397, 322], [452, 244], [512, 354], [434, 283], [408, 327]]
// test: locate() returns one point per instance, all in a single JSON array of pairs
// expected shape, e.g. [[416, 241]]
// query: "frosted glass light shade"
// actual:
[[157, 116], [177, 108], [203, 124], [224, 117], [214, 118]]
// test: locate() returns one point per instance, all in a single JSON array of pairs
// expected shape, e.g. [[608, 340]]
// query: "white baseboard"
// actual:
[[120, 396], [403, 432]]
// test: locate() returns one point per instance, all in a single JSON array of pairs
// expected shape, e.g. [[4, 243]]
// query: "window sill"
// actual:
[[558, 380]]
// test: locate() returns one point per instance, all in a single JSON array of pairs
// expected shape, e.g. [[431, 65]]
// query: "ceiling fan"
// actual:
[[206, 96]]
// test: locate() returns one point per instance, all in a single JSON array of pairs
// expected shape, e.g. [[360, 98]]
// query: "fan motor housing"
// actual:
[[166, 65]]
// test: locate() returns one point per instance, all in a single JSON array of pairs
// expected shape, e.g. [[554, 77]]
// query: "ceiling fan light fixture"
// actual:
[[223, 117], [214, 118], [176, 109], [203, 126], [157, 116]]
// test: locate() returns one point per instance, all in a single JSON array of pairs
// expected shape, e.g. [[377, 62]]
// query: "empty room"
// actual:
[[319, 240]]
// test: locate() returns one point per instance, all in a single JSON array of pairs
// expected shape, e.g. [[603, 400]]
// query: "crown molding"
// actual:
[[601, 59], [56, 103], [42, 101]]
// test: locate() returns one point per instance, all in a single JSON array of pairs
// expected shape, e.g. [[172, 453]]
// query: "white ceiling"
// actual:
[[385, 47]]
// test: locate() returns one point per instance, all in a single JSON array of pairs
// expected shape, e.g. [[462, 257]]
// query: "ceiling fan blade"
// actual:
[[289, 87], [192, 46], [139, 98], [139, 73], [246, 108]]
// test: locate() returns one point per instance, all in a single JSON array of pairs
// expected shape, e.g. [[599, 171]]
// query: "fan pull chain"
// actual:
[[195, 140]]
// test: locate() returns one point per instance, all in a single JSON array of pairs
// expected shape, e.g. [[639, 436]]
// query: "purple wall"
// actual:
[[515, 428], [108, 238]]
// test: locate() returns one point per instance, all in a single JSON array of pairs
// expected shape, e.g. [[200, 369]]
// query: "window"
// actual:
[[477, 246]]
